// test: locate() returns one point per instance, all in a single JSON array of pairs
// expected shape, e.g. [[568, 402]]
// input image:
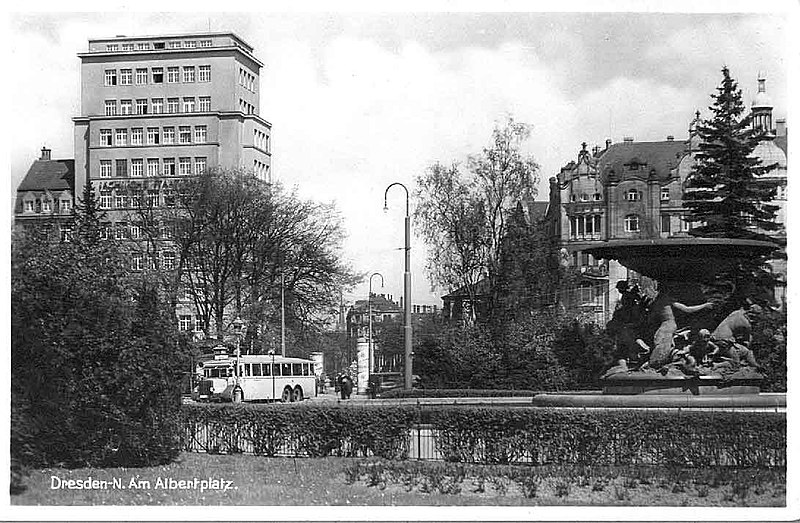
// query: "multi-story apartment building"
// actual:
[[634, 190], [165, 107], [154, 110]]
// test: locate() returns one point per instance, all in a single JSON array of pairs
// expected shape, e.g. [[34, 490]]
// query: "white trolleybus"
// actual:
[[255, 378]]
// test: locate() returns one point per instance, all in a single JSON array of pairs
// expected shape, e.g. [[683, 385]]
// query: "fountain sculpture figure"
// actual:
[[656, 356]]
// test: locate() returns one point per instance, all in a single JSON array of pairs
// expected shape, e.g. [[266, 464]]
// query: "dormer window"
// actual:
[[28, 206], [584, 197], [597, 197], [573, 198], [665, 194], [632, 195]]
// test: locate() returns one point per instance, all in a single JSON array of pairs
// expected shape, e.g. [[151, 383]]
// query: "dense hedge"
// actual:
[[456, 393], [496, 435], [301, 430], [612, 437]]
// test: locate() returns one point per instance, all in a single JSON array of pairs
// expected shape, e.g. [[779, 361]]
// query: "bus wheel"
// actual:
[[298, 394], [286, 397], [237, 395]]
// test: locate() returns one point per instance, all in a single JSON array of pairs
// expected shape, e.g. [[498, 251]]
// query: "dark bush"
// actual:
[[96, 363]]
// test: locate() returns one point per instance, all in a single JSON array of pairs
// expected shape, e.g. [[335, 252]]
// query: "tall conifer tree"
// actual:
[[725, 194]]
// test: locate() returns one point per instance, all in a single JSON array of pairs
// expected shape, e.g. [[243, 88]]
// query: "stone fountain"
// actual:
[[683, 266]]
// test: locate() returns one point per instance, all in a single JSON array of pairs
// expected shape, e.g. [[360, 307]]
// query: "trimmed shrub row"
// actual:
[[298, 430], [457, 393], [493, 435], [608, 437]]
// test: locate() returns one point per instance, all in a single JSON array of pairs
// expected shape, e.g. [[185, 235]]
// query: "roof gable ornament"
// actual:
[[584, 164]]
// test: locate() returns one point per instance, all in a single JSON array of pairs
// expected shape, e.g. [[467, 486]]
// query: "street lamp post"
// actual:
[[272, 372], [369, 303], [406, 285], [283, 317], [237, 329]]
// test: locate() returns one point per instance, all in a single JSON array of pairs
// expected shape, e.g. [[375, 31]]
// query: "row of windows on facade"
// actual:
[[173, 105], [589, 226], [155, 167], [147, 46], [136, 199], [423, 309], [140, 261], [47, 205], [247, 79], [167, 260], [260, 169], [155, 136], [136, 230], [246, 107], [155, 75], [260, 139], [632, 196]]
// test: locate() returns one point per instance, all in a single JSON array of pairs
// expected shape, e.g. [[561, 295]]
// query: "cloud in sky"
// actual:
[[360, 101]]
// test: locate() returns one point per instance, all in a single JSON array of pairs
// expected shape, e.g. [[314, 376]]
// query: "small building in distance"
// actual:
[[46, 195], [384, 310]]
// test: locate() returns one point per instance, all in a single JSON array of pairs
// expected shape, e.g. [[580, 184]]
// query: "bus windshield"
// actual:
[[217, 372]]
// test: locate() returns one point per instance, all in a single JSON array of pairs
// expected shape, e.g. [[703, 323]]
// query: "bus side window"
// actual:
[[256, 369], [267, 369], [276, 369], [287, 369], [306, 369], [247, 369], [297, 369]]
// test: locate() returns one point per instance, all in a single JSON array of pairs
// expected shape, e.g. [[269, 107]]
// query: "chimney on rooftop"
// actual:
[[608, 143], [670, 138], [780, 127], [45, 154]]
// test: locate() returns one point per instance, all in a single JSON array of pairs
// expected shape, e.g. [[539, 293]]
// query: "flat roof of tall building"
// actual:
[[120, 38]]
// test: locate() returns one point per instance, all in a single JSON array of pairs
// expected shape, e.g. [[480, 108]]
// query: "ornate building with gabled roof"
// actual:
[[47, 194], [634, 190]]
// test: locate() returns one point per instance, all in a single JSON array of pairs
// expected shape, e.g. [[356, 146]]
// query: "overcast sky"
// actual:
[[358, 101]]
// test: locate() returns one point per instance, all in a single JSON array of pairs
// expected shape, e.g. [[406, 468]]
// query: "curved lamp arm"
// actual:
[[386, 194]]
